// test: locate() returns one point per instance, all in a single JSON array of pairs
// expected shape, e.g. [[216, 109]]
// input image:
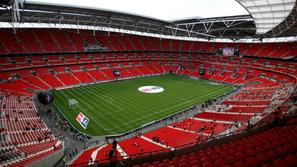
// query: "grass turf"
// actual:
[[118, 107]]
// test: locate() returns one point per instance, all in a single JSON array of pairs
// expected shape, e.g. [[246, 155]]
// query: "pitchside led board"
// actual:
[[82, 120]]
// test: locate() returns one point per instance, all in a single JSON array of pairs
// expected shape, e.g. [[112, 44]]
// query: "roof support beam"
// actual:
[[215, 21], [228, 23], [207, 26], [183, 30]]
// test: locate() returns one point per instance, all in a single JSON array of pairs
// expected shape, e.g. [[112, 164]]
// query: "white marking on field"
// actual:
[[150, 89], [92, 117], [86, 103], [183, 100], [110, 99]]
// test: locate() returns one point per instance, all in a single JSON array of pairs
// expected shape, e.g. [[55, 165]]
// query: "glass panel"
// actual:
[[272, 12]]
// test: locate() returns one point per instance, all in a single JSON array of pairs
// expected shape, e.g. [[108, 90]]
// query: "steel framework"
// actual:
[[19, 14]]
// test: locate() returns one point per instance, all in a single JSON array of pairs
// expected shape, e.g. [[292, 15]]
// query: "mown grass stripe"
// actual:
[[117, 107]]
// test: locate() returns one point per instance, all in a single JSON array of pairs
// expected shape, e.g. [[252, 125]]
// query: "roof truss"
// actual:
[[233, 27]]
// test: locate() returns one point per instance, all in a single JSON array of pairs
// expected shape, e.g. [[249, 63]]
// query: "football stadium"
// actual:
[[150, 84]]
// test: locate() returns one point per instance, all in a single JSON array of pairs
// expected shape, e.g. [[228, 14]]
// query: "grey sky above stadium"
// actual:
[[161, 9]]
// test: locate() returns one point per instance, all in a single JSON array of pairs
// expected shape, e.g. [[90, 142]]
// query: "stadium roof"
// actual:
[[267, 14], [266, 19]]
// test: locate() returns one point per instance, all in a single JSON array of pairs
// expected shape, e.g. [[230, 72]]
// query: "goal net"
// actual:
[[73, 104]]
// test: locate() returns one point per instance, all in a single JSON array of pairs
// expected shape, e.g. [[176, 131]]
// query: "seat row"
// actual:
[[51, 40]]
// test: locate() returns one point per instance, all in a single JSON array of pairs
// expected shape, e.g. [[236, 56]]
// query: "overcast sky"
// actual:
[[162, 9]]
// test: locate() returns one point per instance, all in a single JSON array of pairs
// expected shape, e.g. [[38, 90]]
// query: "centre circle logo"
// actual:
[[151, 89]]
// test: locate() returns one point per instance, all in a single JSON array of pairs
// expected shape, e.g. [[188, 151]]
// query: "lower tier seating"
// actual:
[[274, 147], [25, 138]]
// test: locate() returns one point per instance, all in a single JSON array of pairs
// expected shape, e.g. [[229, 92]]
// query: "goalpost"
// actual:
[[73, 103]]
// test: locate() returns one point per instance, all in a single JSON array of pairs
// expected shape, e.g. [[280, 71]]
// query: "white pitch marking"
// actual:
[[92, 117], [110, 99]]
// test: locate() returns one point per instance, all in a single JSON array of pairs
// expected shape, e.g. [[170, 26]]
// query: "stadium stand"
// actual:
[[25, 139], [273, 147], [115, 42], [46, 47]]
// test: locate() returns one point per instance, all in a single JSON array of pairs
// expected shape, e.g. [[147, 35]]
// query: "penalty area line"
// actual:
[[92, 117]]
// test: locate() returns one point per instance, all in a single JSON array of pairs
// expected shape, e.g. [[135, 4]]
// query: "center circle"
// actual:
[[151, 89]]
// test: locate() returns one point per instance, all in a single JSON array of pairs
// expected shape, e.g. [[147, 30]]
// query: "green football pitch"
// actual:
[[117, 107]]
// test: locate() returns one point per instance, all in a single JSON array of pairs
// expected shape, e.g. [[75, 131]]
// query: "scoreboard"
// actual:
[[229, 51]]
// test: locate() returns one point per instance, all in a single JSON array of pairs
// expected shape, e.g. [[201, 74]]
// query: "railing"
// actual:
[[50, 160]]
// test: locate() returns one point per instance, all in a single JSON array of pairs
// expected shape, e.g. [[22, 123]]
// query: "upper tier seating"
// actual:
[[45, 40]]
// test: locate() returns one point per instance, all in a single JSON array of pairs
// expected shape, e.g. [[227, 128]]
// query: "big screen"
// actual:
[[228, 51]]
